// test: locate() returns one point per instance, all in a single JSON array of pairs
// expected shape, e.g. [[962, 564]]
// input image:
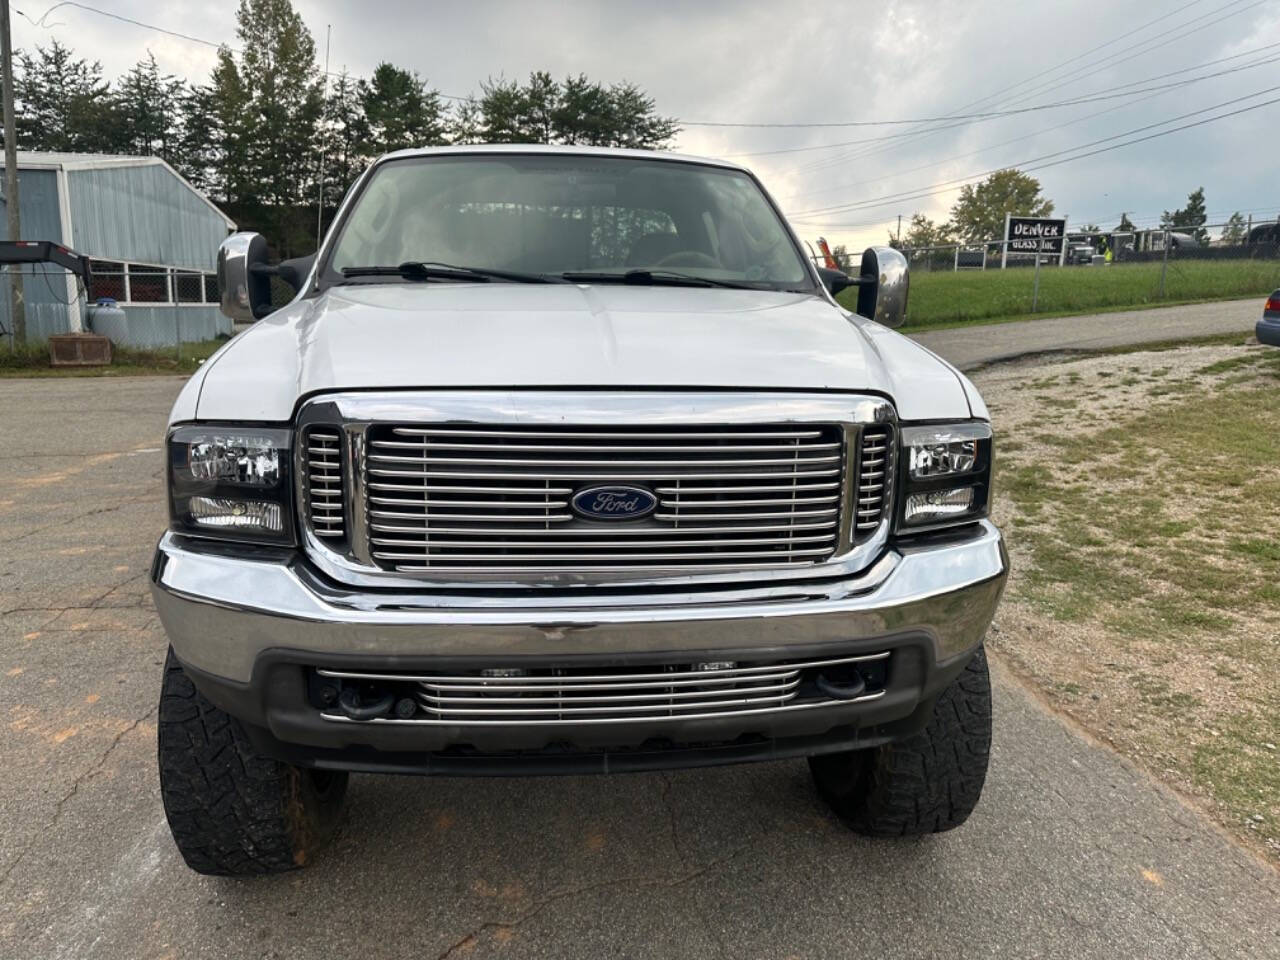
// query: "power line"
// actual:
[[1035, 163], [165, 30], [833, 188], [1055, 105], [1090, 98], [1075, 72]]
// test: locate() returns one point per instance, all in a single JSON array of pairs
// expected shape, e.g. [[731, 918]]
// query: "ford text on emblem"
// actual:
[[614, 503]]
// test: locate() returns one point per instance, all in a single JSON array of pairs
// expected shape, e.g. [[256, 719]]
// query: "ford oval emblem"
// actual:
[[614, 503]]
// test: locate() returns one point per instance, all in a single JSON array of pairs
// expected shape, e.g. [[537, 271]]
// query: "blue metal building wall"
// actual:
[[44, 288], [146, 214]]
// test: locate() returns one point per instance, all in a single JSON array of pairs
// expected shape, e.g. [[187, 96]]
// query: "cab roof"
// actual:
[[546, 149]]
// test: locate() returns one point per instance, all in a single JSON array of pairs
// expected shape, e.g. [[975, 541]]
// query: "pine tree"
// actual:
[[149, 106], [283, 107], [400, 111], [344, 136], [216, 132], [64, 104], [465, 123]]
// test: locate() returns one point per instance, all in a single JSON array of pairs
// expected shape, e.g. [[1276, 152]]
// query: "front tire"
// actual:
[[233, 811], [925, 783]]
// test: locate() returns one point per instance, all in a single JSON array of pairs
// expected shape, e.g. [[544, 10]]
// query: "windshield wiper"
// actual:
[[654, 278], [422, 270]]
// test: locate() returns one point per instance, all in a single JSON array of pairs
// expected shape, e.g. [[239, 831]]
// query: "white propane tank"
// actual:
[[107, 319]]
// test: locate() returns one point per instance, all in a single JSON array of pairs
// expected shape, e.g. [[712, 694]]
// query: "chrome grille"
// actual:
[[322, 449], [875, 478], [616, 695], [497, 498]]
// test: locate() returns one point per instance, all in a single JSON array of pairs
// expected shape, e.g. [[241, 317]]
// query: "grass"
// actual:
[[33, 361], [1147, 548], [949, 299]]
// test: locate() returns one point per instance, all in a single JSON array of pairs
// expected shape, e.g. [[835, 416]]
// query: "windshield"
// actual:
[[554, 215]]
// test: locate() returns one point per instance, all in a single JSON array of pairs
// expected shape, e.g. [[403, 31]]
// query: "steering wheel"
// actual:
[[688, 258]]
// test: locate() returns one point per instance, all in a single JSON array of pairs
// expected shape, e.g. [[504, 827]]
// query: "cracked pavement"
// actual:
[[1072, 853]]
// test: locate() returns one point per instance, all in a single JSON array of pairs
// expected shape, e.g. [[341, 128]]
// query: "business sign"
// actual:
[[1026, 236]]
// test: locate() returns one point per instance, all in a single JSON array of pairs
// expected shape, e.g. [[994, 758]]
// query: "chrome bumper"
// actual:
[[222, 610]]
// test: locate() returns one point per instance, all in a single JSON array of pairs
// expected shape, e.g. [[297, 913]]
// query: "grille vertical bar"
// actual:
[[323, 459], [875, 478]]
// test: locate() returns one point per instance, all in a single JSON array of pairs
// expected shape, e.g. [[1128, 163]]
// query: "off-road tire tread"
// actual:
[[232, 811], [928, 782]]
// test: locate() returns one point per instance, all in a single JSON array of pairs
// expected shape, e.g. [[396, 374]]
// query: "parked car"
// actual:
[[1268, 328], [565, 460]]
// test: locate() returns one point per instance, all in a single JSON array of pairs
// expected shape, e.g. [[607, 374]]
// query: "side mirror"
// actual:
[[882, 288], [836, 280], [244, 288], [294, 272]]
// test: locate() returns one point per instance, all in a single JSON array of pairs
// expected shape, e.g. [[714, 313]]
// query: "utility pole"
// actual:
[[899, 230], [19, 310]]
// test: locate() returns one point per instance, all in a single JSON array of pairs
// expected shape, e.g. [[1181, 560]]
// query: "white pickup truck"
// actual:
[[566, 460]]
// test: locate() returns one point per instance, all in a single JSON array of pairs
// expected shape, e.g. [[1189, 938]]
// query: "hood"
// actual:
[[495, 335]]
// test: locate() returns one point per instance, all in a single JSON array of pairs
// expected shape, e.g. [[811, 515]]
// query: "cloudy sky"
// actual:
[[832, 63]]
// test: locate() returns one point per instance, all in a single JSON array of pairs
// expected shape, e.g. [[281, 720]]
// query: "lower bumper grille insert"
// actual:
[[586, 696]]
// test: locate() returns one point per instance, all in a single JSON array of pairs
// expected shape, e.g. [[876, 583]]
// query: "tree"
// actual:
[[585, 113], [399, 110], [979, 213], [283, 107], [466, 122], [634, 121], [216, 133], [344, 132], [1190, 219], [1125, 225], [923, 232], [502, 109], [577, 111], [64, 104], [149, 107], [1234, 230], [843, 258]]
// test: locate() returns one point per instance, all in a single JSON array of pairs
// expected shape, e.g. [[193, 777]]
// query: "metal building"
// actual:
[[152, 238]]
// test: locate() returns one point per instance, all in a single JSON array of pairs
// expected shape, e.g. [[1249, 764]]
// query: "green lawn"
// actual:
[[948, 298], [33, 361]]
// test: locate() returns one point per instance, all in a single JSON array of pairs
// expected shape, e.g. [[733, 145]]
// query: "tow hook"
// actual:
[[349, 703], [845, 690]]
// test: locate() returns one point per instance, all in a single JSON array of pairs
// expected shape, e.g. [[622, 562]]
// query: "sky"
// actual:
[[861, 64]]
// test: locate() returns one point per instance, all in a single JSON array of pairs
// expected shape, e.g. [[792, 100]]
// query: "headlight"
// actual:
[[946, 474], [231, 483]]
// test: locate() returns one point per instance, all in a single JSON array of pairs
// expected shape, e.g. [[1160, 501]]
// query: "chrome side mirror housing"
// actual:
[[243, 286], [882, 287]]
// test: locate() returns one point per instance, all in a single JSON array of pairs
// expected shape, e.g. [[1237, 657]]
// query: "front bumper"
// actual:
[[247, 624]]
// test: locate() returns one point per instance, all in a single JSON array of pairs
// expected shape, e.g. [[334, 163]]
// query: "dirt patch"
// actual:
[[1140, 494]]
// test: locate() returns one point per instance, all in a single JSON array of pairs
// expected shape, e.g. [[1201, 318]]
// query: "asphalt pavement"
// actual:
[[1072, 852], [974, 346]]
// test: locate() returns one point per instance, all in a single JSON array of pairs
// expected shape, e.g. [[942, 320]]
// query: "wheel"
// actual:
[[233, 811], [925, 783]]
